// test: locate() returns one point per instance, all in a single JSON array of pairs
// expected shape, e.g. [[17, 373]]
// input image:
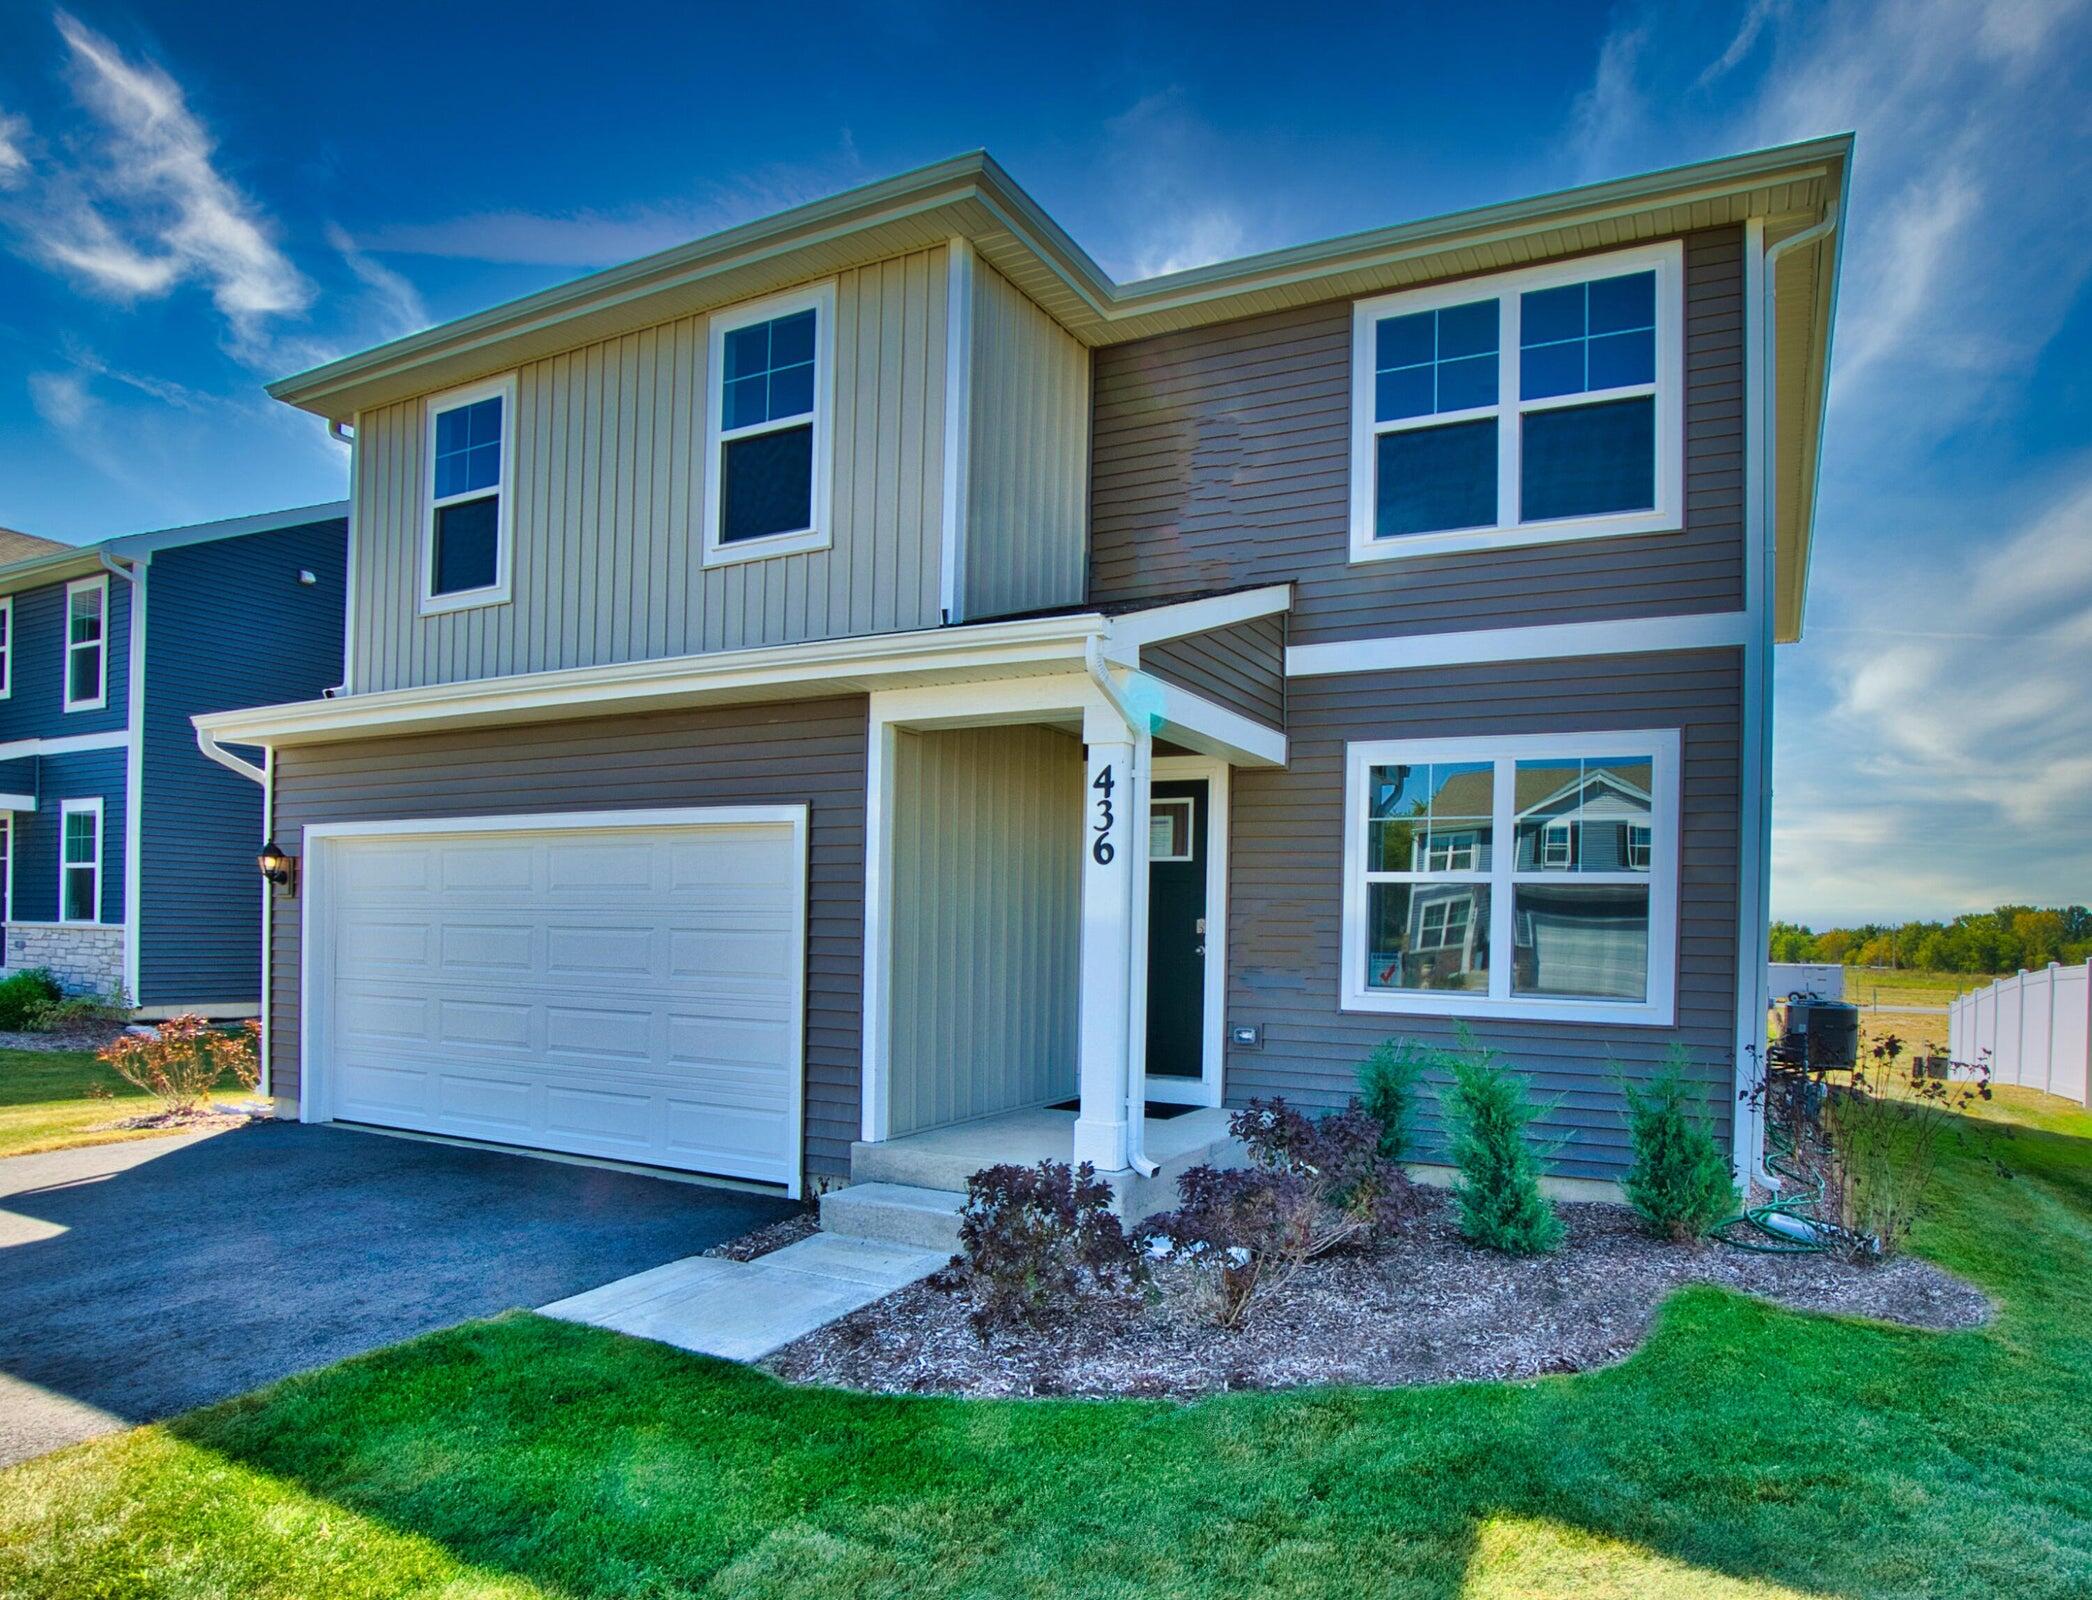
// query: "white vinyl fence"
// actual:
[[2037, 1027]]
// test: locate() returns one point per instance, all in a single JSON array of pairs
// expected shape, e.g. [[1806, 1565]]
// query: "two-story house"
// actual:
[[865, 695], [128, 858]]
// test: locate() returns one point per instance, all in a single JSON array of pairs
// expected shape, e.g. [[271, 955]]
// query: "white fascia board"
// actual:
[[1198, 724], [1714, 630], [65, 744], [17, 802], [831, 665], [1157, 623]]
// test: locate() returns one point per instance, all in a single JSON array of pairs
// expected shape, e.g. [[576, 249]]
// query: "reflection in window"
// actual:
[[1583, 816], [1427, 936], [1430, 818], [1587, 941]]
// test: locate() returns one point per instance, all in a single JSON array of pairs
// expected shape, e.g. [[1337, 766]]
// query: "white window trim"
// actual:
[[496, 593], [100, 584], [820, 298], [1658, 1009], [1667, 259], [68, 809], [7, 647]]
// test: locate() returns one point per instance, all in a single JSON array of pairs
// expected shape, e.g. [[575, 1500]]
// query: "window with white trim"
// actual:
[[80, 861], [7, 646], [767, 450], [87, 644], [1523, 876], [471, 439], [1527, 407]]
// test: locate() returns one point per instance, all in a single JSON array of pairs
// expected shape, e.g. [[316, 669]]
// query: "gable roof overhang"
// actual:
[[1790, 188]]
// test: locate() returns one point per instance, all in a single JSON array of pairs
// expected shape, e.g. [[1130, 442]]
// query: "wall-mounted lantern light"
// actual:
[[278, 867]]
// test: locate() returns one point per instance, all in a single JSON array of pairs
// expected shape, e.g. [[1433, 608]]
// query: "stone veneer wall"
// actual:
[[86, 957]]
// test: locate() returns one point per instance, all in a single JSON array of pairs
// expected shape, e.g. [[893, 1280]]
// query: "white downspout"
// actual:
[[134, 764], [1762, 667], [1137, 942]]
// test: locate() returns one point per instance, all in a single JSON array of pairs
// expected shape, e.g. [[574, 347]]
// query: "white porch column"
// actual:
[[1108, 858]]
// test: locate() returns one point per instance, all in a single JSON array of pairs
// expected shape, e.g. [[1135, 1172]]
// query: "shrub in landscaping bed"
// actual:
[[1041, 1242], [1498, 1189], [25, 995], [1312, 1186], [80, 1013], [185, 1060], [1387, 1081], [1679, 1181]]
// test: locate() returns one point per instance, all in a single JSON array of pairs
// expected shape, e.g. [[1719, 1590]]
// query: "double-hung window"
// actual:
[[767, 450], [1533, 406], [87, 644], [465, 545], [80, 861], [1520, 876], [7, 646]]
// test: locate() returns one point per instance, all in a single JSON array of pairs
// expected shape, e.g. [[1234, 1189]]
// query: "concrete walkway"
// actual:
[[743, 1310]]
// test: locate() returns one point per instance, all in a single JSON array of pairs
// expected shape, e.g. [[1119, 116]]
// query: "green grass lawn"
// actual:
[[45, 1103], [1745, 1451]]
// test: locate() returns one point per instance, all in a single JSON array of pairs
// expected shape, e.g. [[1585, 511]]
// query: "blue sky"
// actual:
[[196, 199]]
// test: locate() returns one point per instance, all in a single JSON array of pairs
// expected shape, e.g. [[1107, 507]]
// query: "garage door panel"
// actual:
[[630, 993]]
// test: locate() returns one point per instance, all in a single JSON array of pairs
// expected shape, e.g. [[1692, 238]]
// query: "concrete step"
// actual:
[[894, 1213]]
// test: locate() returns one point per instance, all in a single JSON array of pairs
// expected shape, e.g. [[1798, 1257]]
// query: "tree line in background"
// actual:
[[2004, 940]]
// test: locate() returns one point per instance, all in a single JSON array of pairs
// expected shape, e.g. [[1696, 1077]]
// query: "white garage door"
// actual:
[[625, 991]]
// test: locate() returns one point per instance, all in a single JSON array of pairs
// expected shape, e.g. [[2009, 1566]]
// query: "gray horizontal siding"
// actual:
[[1242, 667], [1286, 867], [609, 505], [810, 752], [199, 916], [1221, 457]]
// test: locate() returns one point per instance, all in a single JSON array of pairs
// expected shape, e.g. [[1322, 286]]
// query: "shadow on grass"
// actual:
[[1745, 1450]]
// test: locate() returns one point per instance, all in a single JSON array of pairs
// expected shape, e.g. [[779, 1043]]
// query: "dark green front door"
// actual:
[[1177, 931]]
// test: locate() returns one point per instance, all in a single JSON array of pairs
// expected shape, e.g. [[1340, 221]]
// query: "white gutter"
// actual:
[[134, 762], [1137, 925], [226, 759], [1759, 665]]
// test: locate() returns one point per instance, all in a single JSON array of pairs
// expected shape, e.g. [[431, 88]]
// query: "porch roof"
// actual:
[[1015, 648]]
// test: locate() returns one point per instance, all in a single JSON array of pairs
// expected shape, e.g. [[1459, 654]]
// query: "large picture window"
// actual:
[[471, 440], [1531, 876], [767, 451], [1532, 406]]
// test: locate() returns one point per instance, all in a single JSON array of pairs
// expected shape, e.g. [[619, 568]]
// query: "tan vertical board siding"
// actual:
[[607, 562], [987, 907], [1222, 457], [807, 752], [1028, 467], [1285, 898], [1242, 667]]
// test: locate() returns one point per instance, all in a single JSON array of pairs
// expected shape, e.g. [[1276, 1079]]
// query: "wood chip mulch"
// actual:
[[1428, 1308], [802, 1224]]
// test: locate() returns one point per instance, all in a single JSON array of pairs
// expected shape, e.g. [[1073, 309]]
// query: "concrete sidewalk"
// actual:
[[743, 1310]]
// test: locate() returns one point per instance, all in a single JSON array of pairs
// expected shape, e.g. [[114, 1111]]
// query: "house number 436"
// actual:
[[1101, 848]]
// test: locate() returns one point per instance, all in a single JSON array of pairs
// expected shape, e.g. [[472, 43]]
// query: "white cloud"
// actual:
[[60, 398], [14, 159], [141, 208], [1163, 157]]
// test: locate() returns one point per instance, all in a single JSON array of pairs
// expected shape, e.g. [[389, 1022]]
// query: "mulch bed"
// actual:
[[802, 1224], [92, 1038], [213, 1118], [1428, 1308]]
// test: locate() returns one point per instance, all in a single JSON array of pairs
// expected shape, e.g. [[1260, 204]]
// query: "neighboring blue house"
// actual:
[[129, 857]]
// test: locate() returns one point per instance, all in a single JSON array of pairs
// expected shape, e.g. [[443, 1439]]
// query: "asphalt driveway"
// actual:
[[139, 1280]]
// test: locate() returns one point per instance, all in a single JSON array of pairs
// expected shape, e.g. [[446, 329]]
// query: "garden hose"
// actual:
[[1788, 1222]]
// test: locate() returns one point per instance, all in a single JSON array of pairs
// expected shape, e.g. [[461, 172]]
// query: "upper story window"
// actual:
[[1529, 407], [465, 549], [1518, 876], [7, 646], [87, 644], [768, 465]]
